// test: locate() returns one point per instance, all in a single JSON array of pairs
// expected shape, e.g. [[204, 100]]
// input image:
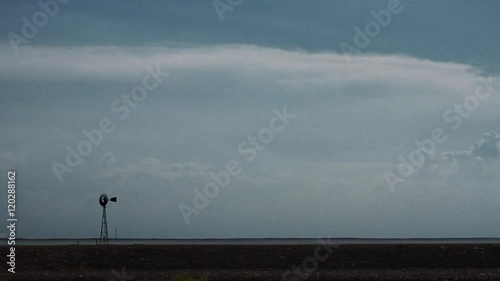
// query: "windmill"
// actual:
[[103, 201]]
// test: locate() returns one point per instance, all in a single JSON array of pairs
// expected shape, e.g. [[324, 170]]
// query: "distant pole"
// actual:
[[116, 233]]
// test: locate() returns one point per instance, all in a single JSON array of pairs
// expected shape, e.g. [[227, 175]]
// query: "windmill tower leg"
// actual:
[[104, 228]]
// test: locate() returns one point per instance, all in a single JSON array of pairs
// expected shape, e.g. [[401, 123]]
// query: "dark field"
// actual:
[[347, 262]]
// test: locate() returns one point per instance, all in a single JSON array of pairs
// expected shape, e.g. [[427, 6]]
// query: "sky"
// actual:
[[252, 119]]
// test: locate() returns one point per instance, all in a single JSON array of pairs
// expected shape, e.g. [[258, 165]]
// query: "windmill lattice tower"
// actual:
[[103, 201]]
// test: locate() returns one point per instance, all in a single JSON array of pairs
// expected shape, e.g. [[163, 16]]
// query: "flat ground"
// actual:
[[347, 262]]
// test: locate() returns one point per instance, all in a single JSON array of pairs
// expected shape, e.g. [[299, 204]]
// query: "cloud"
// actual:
[[292, 68], [325, 170], [471, 165], [488, 147], [150, 167]]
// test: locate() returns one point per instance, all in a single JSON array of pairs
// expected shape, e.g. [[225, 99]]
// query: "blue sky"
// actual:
[[324, 174]]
